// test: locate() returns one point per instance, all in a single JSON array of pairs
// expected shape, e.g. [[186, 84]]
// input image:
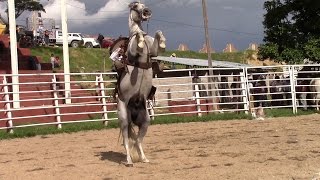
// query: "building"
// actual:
[[183, 47], [205, 49], [230, 48], [253, 46]]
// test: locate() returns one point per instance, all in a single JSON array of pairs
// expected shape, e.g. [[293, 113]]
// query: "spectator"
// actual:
[[57, 62], [173, 65], [100, 39], [52, 60], [18, 35], [46, 37], [38, 64], [34, 63]]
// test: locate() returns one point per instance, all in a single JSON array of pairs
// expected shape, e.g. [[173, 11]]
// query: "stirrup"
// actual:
[[152, 93]]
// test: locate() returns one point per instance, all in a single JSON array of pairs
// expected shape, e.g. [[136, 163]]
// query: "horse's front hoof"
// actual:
[[141, 44], [162, 45], [162, 42]]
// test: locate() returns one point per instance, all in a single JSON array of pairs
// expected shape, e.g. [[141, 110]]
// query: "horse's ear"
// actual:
[[133, 5]]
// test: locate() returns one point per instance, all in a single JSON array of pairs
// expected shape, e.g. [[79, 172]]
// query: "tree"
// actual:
[[292, 30], [25, 5]]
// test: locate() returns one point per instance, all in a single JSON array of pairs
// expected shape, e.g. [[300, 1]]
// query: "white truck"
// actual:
[[74, 39]]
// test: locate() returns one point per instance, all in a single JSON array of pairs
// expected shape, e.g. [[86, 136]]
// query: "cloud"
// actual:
[[231, 8], [79, 13], [177, 3]]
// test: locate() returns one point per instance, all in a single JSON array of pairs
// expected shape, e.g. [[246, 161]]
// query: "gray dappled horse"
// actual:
[[135, 84]]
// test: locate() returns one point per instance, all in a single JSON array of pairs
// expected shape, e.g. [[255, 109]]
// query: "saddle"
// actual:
[[121, 66], [151, 95]]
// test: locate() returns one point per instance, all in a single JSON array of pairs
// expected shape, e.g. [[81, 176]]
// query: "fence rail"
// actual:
[[43, 99]]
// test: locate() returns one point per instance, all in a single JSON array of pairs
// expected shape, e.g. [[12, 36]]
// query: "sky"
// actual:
[[230, 21]]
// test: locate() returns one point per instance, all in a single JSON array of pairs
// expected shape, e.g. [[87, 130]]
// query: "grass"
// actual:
[[90, 59], [77, 127], [287, 112]]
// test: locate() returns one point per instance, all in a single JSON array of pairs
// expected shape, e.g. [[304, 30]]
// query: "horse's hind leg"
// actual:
[[124, 124], [142, 132]]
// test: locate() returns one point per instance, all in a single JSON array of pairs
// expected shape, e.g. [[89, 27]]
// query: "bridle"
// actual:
[[141, 12]]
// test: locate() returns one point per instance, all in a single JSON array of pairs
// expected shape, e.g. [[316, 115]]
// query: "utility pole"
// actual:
[[210, 79], [205, 19], [34, 20]]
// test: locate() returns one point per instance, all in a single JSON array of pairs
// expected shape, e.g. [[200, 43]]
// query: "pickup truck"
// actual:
[[74, 39]]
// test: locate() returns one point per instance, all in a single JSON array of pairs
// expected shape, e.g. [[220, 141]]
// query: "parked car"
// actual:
[[89, 42], [74, 39], [106, 43]]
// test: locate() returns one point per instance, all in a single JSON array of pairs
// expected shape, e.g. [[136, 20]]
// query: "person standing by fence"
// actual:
[[100, 39], [52, 60]]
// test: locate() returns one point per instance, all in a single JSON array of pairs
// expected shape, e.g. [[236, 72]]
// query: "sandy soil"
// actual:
[[279, 148]]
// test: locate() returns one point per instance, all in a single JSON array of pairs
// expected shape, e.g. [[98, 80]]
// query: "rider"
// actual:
[[118, 58]]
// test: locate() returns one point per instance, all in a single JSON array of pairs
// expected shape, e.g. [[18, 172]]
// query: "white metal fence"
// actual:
[[186, 92]]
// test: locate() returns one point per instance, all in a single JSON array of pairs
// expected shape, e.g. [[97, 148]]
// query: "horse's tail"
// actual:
[[138, 112], [137, 109]]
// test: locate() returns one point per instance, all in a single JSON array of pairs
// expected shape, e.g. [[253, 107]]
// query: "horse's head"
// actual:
[[139, 12]]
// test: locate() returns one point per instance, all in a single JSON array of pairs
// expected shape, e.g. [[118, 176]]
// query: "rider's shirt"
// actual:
[[115, 55]]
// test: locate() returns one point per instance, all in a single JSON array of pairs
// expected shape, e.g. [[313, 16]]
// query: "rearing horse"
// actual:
[[136, 82]]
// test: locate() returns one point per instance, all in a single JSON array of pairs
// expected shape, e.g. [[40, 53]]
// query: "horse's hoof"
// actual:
[[162, 42], [141, 44], [145, 160], [162, 45], [129, 165]]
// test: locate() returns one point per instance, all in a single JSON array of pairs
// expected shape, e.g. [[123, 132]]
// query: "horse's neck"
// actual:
[[134, 27]]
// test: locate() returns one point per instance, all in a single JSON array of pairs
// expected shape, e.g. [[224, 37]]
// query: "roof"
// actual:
[[200, 62]]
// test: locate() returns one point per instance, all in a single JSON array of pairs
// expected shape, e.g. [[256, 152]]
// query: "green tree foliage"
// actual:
[[312, 49], [292, 30], [26, 5]]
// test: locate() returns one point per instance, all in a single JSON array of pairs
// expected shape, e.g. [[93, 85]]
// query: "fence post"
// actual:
[[103, 99], [244, 88], [198, 101], [293, 89], [248, 90], [7, 106], [56, 102]]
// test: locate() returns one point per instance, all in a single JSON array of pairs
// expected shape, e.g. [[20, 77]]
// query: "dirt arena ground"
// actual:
[[279, 148]]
